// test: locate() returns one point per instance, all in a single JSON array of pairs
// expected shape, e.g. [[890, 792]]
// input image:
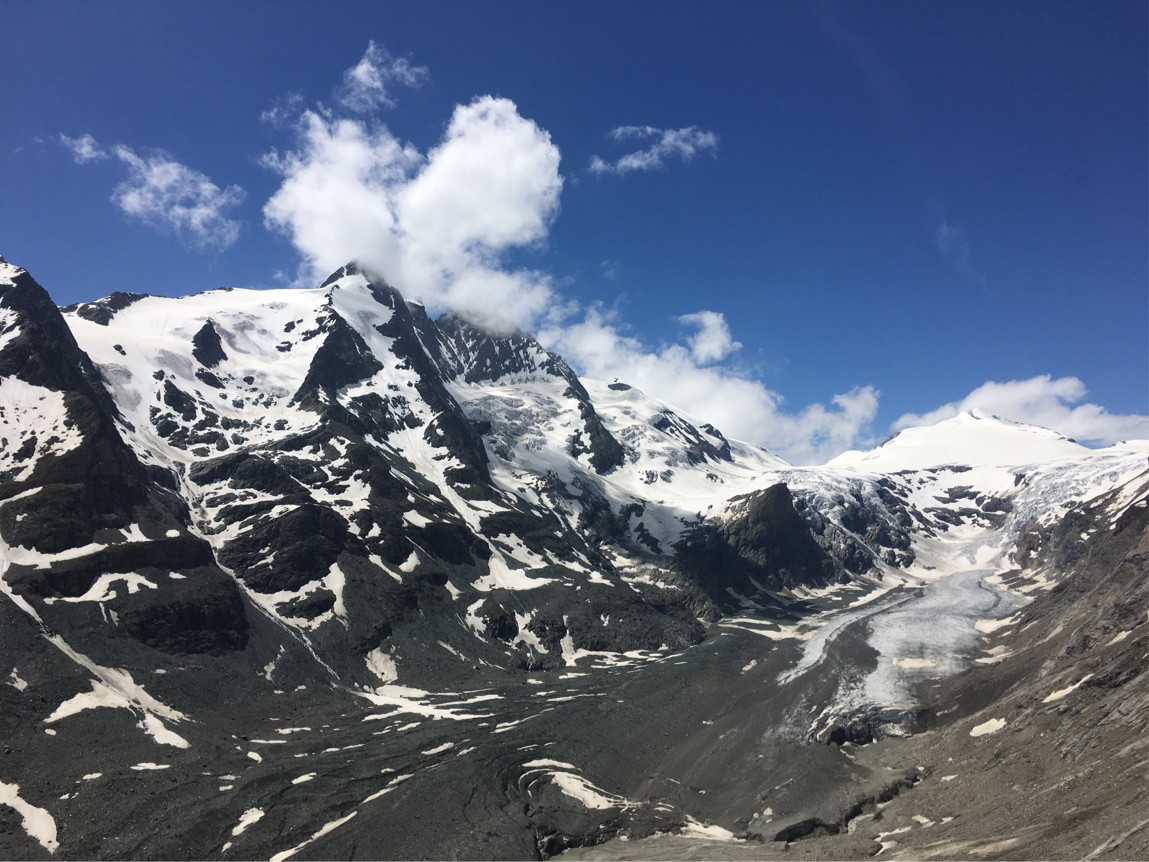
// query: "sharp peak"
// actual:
[[10, 268], [456, 316], [352, 268]]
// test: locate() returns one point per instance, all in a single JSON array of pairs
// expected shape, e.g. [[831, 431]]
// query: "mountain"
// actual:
[[299, 547]]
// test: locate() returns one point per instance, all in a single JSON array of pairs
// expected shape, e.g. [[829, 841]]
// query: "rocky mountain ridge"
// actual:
[[294, 496]]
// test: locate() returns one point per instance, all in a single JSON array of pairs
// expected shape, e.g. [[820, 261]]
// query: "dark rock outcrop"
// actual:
[[767, 547]]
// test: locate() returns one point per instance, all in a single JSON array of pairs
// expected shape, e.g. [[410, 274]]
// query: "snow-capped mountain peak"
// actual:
[[971, 438]]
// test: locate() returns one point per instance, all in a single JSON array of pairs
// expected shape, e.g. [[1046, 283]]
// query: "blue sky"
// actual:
[[809, 223]]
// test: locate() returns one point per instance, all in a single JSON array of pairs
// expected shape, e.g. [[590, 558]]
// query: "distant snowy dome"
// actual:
[[973, 438]]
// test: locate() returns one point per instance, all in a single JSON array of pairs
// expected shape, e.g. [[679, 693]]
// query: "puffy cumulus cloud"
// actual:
[[366, 85], [713, 341], [167, 195], [1045, 401], [493, 182], [337, 199], [664, 144], [436, 225], [742, 408], [84, 149]]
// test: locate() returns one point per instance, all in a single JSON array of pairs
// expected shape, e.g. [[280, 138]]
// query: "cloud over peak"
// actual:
[[686, 377], [664, 144], [437, 224]]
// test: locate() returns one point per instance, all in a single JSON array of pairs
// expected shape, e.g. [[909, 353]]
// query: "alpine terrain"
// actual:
[[306, 573]]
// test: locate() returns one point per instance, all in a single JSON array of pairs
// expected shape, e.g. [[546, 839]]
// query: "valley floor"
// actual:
[[729, 737]]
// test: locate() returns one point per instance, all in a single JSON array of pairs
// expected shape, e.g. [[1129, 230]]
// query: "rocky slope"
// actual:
[[1037, 751], [245, 532]]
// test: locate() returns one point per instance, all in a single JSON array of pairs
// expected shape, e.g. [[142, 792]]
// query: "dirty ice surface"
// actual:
[[933, 635]]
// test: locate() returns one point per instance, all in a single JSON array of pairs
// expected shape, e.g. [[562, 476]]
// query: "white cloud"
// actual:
[[284, 110], [684, 144], [713, 341], [168, 195], [1045, 401], [84, 149], [740, 407], [438, 225], [366, 85]]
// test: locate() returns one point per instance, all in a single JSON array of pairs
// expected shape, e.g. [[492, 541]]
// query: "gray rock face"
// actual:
[[278, 556], [768, 548]]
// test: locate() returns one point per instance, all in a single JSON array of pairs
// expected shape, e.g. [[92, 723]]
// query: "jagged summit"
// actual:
[[9, 271]]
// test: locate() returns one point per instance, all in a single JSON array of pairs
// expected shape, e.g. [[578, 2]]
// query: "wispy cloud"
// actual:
[[84, 149], [869, 55], [664, 144], [284, 110], [952, 242], [367, 85], [167, 195], [686, 376], [1044, 401]]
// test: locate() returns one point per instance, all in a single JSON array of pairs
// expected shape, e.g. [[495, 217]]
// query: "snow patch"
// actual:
[[252, 815], [36, 821], [988, 727], [1060, 693], [564, 776], [31, 413], [988, 626], [707, 832], [117, 690], [382, 665], [101, 590], [915, 663], [327, 827]]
